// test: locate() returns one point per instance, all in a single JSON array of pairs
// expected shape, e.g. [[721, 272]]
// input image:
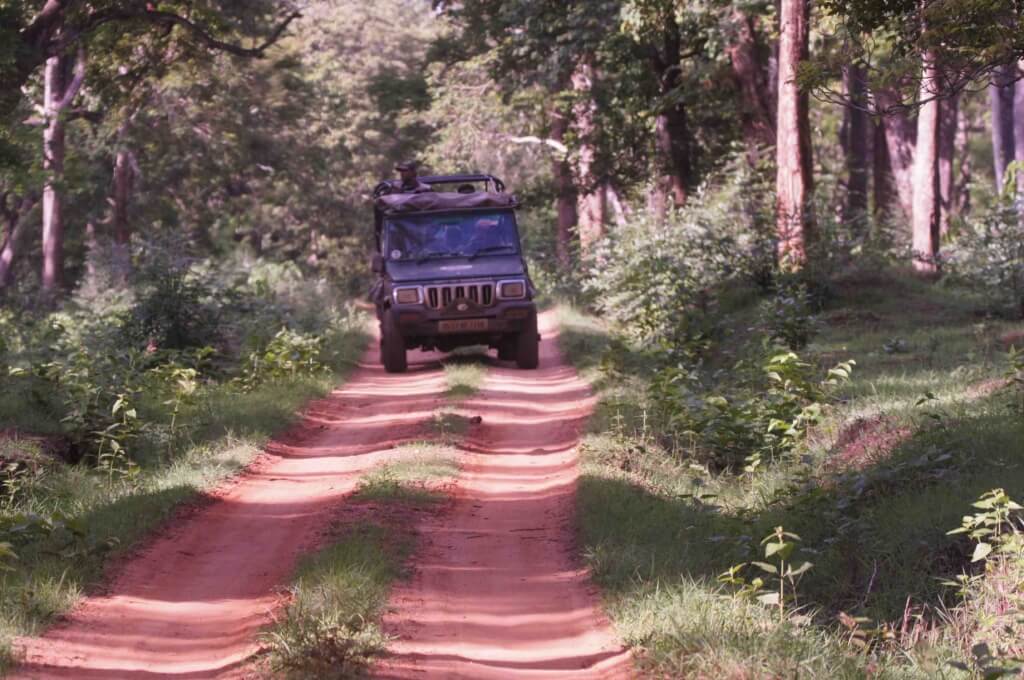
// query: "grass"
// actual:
[[657, 527], [76, 518], [331, 629], [414, 480], [464, 373]]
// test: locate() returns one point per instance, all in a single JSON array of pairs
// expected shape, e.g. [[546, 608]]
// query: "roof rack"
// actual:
[[490, 180], [491, 183]]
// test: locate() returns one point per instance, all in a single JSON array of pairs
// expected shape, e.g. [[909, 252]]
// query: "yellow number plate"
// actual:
[[462, 325]]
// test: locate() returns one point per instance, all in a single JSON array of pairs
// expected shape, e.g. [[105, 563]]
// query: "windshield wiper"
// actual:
[[430, 256], [491, 249]]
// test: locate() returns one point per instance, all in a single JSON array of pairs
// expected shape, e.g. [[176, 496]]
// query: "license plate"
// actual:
[[462, 325]]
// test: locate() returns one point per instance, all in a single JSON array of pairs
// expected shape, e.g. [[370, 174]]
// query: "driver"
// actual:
[[487, 233]]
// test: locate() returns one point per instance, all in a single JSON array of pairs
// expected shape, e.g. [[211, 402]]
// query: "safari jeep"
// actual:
[[450, 271]]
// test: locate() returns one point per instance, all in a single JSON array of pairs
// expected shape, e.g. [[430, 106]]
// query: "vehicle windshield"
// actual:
[[463, 234]]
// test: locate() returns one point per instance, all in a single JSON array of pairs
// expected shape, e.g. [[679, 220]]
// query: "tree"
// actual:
[[794, 181], [60, 91], [855, 143], [1001, 98], [35, 36], [749, 58], [925, 222]]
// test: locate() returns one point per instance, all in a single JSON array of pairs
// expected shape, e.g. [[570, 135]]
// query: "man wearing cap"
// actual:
[[409, 183]]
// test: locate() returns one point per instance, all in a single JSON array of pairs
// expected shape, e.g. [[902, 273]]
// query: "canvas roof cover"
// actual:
[[443, 200]]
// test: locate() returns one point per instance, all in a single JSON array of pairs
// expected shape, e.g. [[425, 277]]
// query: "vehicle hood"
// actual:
[[487, 266]]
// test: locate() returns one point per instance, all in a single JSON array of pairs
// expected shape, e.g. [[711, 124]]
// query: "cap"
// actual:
[[406, 165]]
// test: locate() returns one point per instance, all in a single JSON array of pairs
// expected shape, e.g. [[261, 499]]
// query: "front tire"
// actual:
[[528, 345], [392, 344]]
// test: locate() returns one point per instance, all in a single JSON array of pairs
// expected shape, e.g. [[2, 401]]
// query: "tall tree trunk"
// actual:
[[857, 130], [1018, 131], [60, 89], [53, 166], [565, 200], [1001, 96], [671, 130], [900, 136], [124, 178], [962, 186], [752, 79], [16, 225], [925, 222], [949, 113], [794, 180], [592, 204], [884, 184]]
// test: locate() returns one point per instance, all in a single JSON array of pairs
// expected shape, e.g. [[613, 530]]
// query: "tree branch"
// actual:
[[169, 19]]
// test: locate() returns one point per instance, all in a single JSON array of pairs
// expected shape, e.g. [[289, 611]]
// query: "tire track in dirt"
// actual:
[[497, 591], [191, 603]]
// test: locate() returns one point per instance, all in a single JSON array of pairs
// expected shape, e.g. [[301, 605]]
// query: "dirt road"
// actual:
[[496, 592]]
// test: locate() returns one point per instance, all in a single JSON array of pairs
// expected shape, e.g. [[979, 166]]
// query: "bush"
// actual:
[[988, 254], [659, 282]]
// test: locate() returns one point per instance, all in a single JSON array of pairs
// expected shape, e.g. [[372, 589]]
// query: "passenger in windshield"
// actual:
[[415, 237]]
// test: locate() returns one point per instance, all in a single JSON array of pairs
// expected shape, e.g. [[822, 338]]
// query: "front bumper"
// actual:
[[506, 316]]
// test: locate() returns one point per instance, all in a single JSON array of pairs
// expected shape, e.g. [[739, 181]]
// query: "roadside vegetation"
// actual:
[[809, 475], [122, 406]]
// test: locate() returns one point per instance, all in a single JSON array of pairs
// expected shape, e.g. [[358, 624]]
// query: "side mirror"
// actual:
[[377, 264]]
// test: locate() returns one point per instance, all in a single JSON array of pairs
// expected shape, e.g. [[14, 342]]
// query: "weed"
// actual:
[[329, 630]]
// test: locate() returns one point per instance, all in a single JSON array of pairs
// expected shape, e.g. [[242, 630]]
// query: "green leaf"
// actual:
[[764, 566], [769, 599], [981, 551], [782, 550]]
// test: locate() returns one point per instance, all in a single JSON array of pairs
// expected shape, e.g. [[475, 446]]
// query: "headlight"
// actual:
[[407, 296], [512, 290]]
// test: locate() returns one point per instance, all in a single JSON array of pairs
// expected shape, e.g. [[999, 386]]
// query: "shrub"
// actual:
[[988, 254]]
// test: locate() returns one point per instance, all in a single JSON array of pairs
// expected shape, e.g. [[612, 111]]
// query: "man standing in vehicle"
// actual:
[[408, 182]]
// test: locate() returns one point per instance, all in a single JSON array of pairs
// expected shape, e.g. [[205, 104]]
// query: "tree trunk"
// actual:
[[900, 134], [794, 220], [1001, 96], [16, 226], [1018, 132], [671, 130], [124, 177], [565, 200], [925, 220], [592, 205], [757, 113], [962, 186], [949, 111], [855, 82], [884, 186], [53, 166]]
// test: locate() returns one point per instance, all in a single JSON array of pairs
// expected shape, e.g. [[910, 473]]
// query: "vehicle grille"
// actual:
[[439, 297]]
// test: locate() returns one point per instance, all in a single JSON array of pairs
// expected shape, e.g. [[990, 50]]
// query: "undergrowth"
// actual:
[[684, 476], [122, 405]]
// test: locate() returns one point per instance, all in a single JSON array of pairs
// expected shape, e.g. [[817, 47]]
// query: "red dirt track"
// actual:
[[496, 592]]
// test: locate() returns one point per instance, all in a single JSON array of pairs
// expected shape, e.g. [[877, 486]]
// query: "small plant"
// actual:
[[992, 525], [112, 457], [771, 590], [288, 355], [787, 316]]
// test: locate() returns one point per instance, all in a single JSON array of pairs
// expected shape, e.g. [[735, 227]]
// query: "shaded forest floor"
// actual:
[[929, 421]]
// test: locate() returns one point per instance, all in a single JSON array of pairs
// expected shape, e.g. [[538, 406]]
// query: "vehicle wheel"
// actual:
[[507, 348], [528, 345], [392, 345]]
